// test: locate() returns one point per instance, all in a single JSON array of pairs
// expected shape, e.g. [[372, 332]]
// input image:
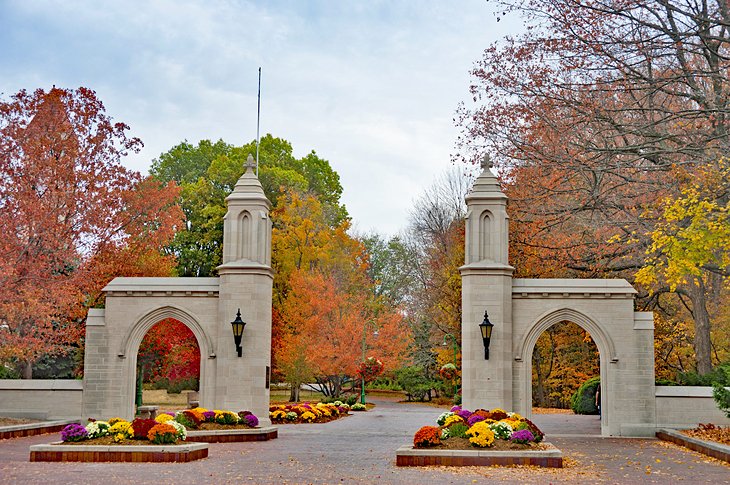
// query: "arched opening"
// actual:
[[589, 424], [565, 368], [131, 344], [168, 366]]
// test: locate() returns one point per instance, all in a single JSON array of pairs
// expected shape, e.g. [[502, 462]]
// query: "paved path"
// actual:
[[361, 449]]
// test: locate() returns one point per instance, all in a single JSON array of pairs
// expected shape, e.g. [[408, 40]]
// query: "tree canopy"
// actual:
[[72, 217]]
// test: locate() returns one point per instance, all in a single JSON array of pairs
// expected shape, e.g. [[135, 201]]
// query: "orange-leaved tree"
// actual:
[[326, 328], [66, 202]]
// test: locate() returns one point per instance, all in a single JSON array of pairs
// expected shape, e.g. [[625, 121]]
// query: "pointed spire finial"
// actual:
[[250, 164], [486, 162]]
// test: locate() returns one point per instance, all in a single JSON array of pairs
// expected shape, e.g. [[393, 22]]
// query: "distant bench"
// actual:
[[193, 400], [148, 412]]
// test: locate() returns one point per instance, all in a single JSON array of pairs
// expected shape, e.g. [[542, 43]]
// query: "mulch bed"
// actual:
[[499, 445], [15, 421], [109, 441], [324, 419], [710, 432], [216, 426], [551, 411]]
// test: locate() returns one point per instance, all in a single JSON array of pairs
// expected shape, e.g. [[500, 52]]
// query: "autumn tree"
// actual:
[[324, 327], [418, 269], [690, 250], [208, 172], [593, 116], [305, 245], [169, 351], [66, 204]]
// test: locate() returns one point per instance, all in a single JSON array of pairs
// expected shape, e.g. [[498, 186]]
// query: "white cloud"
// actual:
[[370, 86]]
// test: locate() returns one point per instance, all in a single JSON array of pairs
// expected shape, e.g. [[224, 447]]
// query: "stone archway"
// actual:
[[206, 306], [521, 309], [129, 348], [603, 341]]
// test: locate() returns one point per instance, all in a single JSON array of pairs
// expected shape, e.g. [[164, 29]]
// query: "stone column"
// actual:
[[246, 281], [487, 286]]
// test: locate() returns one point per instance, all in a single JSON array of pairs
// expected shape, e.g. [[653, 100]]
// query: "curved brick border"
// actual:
[[33, 429], [715, 450], [234, 435], [409, 456], [123, 453]]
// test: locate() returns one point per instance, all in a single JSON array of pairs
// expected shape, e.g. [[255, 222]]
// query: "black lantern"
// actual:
[[486, 328], [238, 326]]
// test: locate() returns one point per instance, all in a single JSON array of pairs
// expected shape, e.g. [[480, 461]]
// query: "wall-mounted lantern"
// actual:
[[238, 326], [486, 328]]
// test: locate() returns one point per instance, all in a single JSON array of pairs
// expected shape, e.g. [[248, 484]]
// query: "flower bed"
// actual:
[[310, 413], [482, 437], [118, 440], [220, 426], [84, 452]]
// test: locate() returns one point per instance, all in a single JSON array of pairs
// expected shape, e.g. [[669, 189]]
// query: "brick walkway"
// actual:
[[361, 449]]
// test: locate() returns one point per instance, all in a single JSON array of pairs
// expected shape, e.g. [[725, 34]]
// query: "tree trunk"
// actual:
[[294, 392], [26, 369], [702, 344]]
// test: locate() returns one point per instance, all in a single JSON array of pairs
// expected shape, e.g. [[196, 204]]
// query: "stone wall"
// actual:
[[41, 398], [686, 406]]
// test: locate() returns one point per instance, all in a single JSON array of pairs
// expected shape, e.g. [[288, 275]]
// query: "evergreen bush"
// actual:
[[583, 400]]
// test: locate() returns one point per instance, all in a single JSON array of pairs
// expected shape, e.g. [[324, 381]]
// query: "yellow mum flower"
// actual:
[[163, 418], [454, 418], [480, 435]]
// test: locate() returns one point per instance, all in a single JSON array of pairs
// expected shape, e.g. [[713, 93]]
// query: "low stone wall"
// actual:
[[41, 398], [181, 453], [233, 435], [709, 448], [33, 429], [682, 407], [409, 456]]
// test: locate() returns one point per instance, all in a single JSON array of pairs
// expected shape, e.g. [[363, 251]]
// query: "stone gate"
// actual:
[[521, 309], [206, 306]]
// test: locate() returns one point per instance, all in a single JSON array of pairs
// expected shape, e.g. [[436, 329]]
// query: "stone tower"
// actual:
[[246, 280], [487, 286]]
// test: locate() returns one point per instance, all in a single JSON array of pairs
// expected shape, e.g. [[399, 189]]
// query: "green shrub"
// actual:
[[185, 384], [161, 383], [722, 398], [720, 392], [458, 430], [414, 382], [719, 375], [7, 372], [583, 401], [185, 421], [664, 382], [349, 399], [385, 384]]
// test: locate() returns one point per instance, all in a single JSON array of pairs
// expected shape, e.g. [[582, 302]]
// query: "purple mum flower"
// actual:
[[74, 432], [209, 415], [523, 436], [464, 413], [455, 409], [474, 418], [251, 420]]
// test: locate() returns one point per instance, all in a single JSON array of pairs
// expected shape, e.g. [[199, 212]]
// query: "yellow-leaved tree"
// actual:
[[690, 254]]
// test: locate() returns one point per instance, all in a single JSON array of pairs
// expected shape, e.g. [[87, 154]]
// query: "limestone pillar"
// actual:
[[487, 286], [246, 280]]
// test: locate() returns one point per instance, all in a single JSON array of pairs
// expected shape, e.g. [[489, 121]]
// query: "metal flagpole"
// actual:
[[258, 122]]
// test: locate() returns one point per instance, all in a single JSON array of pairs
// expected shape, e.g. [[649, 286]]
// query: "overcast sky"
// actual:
[[371, 86]]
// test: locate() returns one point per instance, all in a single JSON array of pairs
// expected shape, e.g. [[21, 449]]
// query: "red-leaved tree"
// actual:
[[71, 218]]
